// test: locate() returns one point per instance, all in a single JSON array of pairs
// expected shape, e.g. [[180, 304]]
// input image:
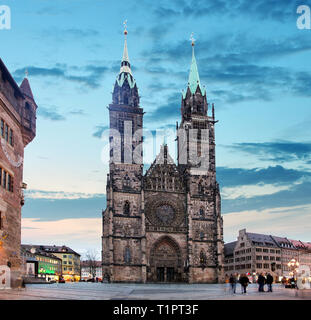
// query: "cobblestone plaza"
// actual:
[[100, 291]]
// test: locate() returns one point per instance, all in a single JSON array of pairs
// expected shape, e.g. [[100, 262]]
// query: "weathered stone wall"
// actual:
[[12, 104]]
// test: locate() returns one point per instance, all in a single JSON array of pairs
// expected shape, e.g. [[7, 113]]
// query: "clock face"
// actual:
[[165, 214]]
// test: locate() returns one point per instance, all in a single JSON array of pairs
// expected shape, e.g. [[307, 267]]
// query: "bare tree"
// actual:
[[90, 262]]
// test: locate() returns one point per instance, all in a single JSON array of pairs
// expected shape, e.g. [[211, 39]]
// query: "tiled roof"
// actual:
[[25, 88], [229, 248], [261, 239], [39, 251], [55, 249], [8, 76]]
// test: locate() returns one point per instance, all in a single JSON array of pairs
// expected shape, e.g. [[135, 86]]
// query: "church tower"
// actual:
[[196, 160], [123, 238]]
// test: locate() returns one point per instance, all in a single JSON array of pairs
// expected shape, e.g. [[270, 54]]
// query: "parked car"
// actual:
[[61, 280]]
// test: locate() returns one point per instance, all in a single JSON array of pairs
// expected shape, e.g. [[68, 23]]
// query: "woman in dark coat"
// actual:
[[244, 281], [261, 282]]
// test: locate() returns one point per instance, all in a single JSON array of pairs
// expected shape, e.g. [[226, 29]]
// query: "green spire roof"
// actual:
[[194, 79]]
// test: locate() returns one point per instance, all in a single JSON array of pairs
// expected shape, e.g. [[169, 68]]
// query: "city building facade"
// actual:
[[17, 130], [163, 225], [36, 262], [255, 253], [70, 260]]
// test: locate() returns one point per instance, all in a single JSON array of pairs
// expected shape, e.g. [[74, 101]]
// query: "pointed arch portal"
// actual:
[[165, 261]]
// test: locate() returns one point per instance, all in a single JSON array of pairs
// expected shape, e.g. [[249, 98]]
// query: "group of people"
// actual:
[[244, 282]]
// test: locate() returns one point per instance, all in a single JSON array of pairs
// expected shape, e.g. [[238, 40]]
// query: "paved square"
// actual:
[[113, 291]]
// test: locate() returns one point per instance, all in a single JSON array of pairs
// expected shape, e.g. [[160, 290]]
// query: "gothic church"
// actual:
[[164, 225]]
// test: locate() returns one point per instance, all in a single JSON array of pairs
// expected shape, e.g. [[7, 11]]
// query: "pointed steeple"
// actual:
[[125, 63], [125, 89], [25, 88], [194, 78]]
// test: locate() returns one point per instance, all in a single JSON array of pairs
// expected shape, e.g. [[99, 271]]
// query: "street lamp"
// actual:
[[293, 264]]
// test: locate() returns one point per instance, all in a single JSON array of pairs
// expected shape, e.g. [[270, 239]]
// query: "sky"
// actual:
[[253, 61]]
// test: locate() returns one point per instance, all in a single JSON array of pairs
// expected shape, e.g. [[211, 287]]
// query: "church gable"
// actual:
[[163, 174]]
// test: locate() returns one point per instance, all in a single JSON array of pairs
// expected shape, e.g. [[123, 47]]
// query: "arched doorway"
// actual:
[[165, 261]]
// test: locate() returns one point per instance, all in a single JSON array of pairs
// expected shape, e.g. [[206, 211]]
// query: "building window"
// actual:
[[259, 265], [127, 255], [1, 221], [11, 137], [10, 183], [6, 132], [2, 128], [200, 188], [4, 179], [126, 182], [201, 213], [266, 266], [126, 208], [258, 257]]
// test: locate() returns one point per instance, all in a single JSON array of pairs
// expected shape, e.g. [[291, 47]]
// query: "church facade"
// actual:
[[163, 225]]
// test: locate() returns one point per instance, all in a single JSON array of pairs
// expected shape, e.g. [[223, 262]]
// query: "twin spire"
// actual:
[[125, 63], [194, 79]]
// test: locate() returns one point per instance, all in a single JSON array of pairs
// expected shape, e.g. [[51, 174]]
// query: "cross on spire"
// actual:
[[125, 27], [192, 39]]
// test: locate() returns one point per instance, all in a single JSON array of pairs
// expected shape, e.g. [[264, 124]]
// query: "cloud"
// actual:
[[77, 112], [167, 111], [99, 130], [242, 67], [260, 9], [250, 191], [50, 114], [41, 194], [49, 205], [297, 194], [292, 222], [278, 151], [80, 234], [89, 76], [277, 175]]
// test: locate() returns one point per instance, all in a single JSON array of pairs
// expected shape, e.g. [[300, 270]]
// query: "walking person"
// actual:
[[269, 282], [261, 282], [233, 281], [284, 281], [244, 281]]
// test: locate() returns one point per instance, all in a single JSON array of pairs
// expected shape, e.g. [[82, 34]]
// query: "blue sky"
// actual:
[[253, 61]]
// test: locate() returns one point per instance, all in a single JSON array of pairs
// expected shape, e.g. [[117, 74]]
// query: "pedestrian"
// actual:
[[293, 283], [233, 281], [269, 282], [284, 281], [261, 282], [244, 282]]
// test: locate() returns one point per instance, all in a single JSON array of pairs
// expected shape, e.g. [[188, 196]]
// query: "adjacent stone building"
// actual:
[[164, 225], [17, 129], [255, 253]]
